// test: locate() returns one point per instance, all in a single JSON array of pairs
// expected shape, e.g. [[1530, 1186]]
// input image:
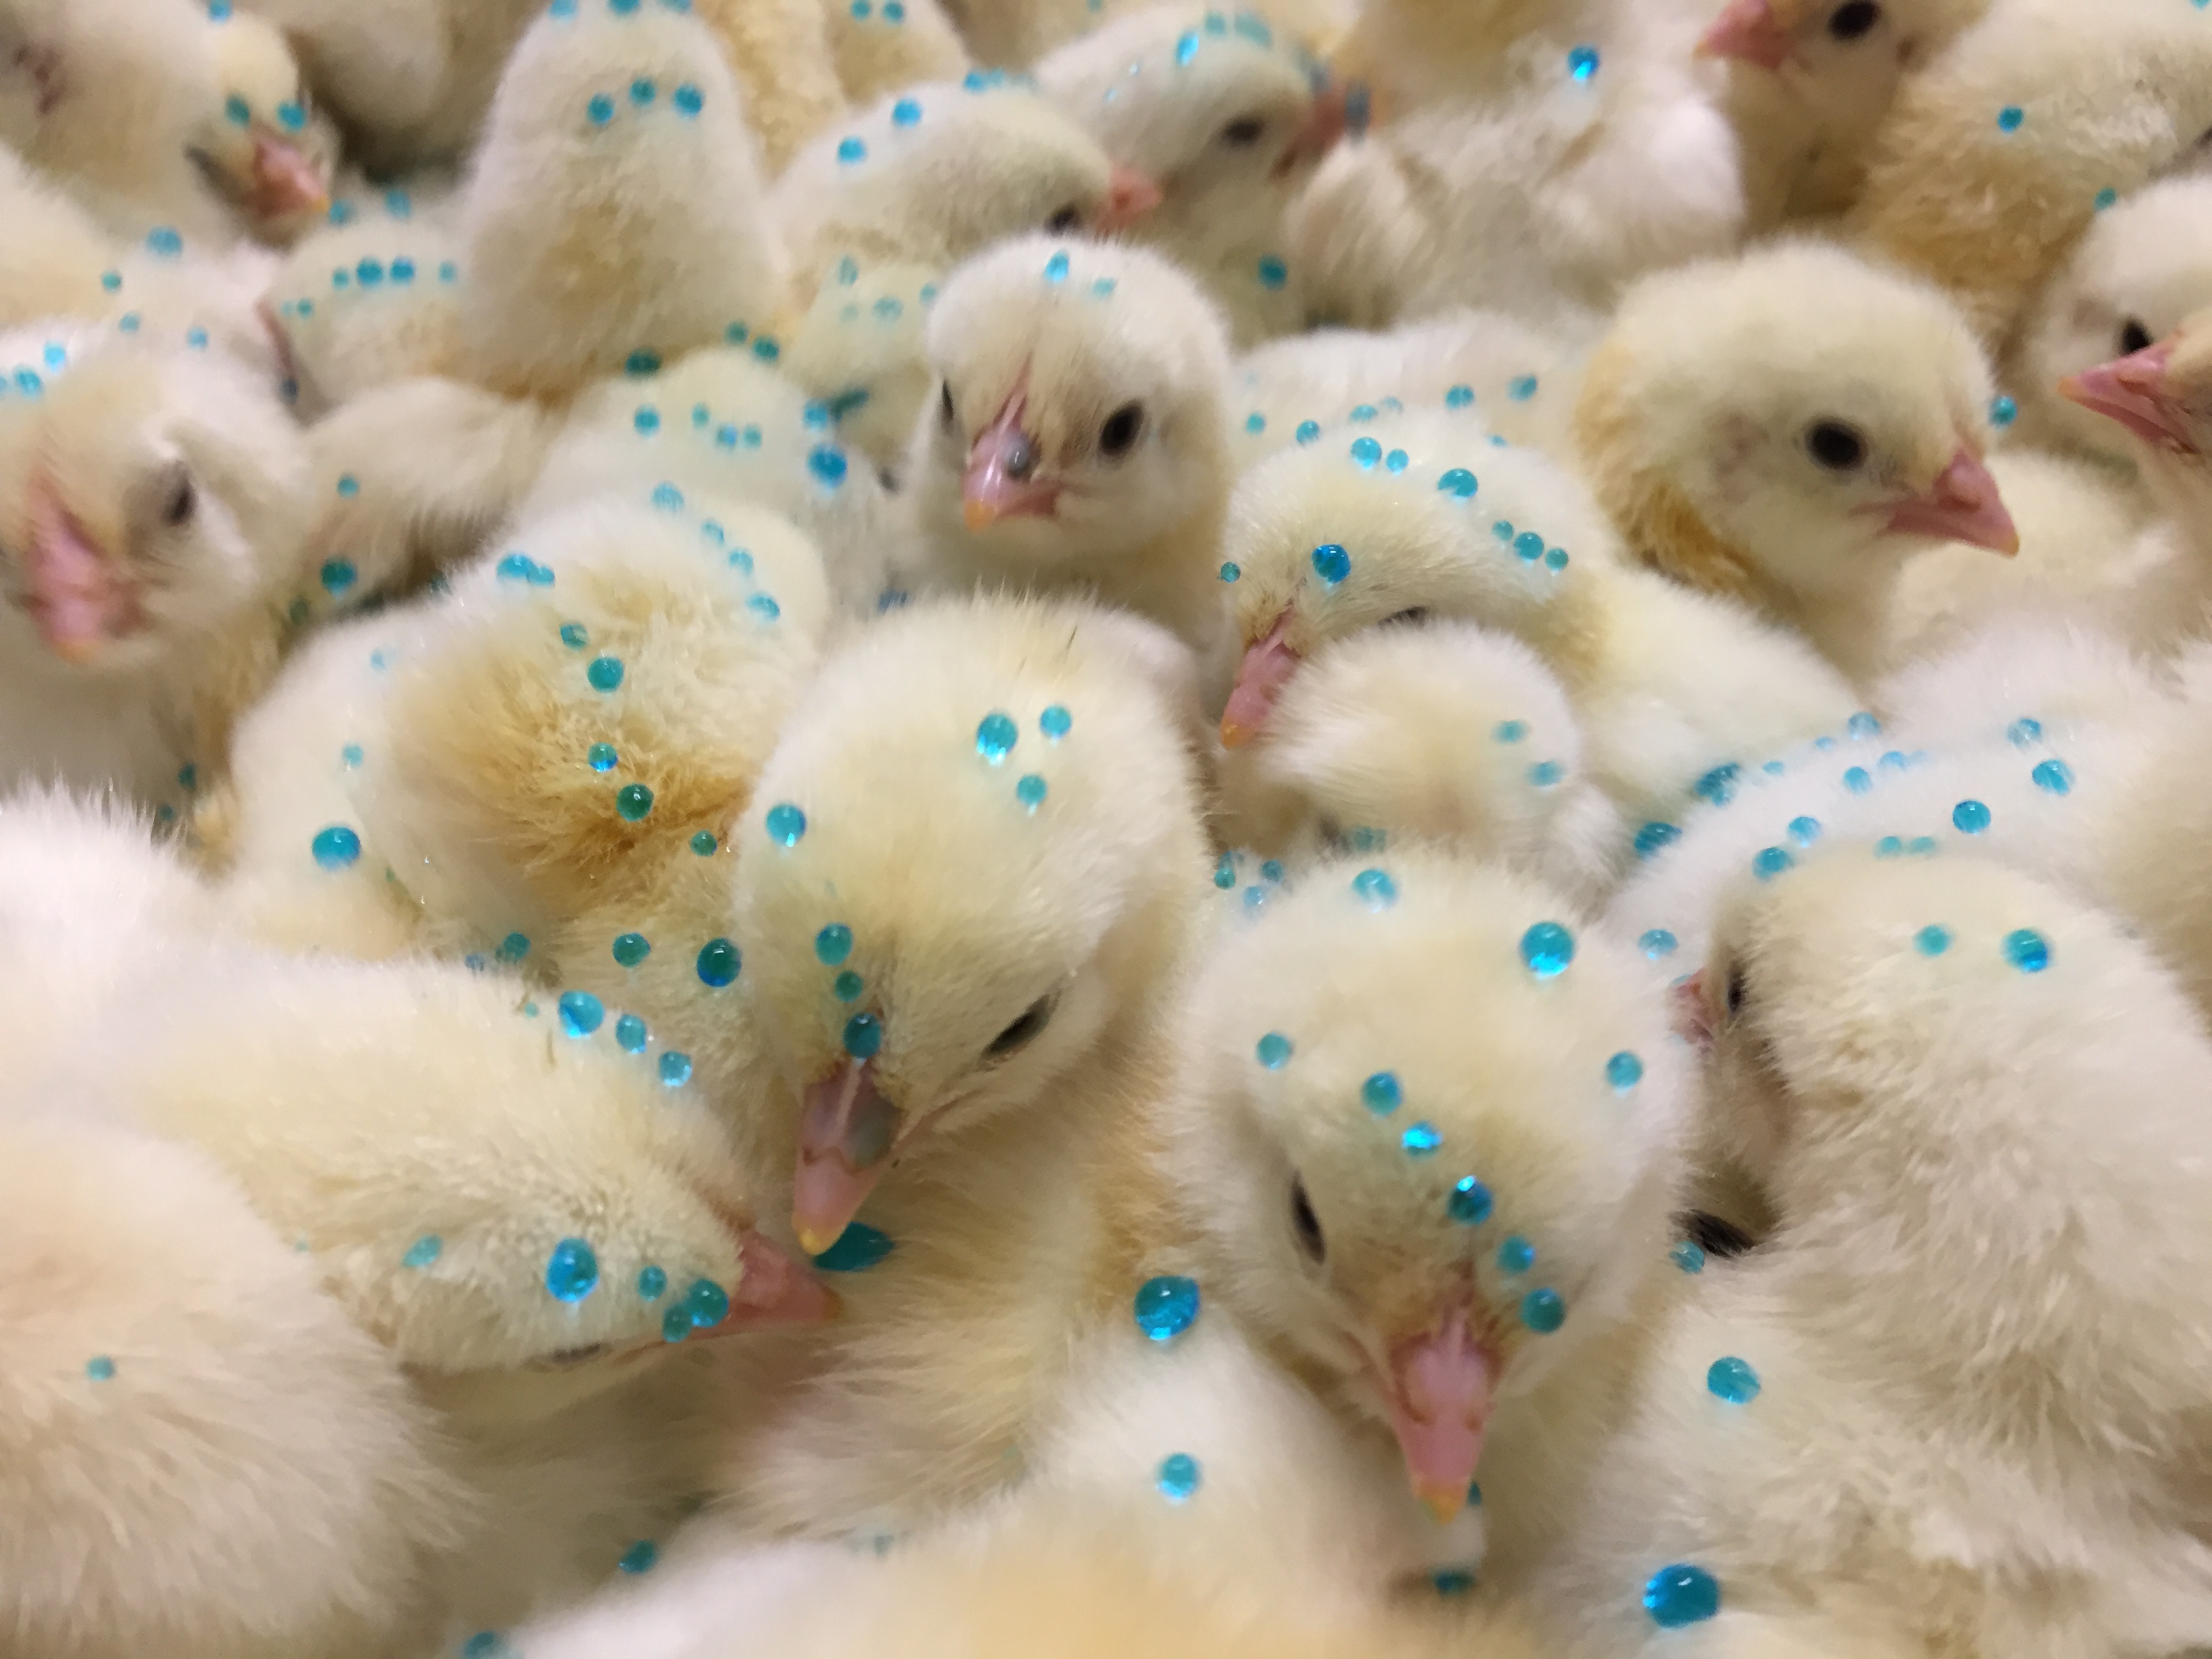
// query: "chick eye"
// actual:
[[1066, 220], [945, 406], [1307, 1225], [1851, 21], [1023, 1031], [1735, 992], [1244, 132], [1122, 428], [1408, 618], [1835, 446], [180, 500], [1714, 1236], [569, 1357], [2134, 337]]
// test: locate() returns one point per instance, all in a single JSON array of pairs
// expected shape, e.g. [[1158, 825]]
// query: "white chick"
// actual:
[[263, 143], [882, 48], [1789, 427], [961, 1012], [1230, 120], [150, 502], [1080, 439], [1919, 1060], [2138, 273], [1420, 513], [1441, 733], [615, 215], [1997, 152]]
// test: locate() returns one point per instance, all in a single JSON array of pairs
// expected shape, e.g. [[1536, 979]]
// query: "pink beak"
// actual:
[[1962, 506], [1130, 196], [1693, 1015], [285, 181], [2134, 391], [1267, 669], [1747, 31], [1003, 463], [74, 592], [846, 1135], [1326, 122], [773, 1290], [1440, 1406]]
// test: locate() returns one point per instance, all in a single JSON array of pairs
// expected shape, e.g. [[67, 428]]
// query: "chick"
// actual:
[[1381, 1200], [2134, 279], [1789, 427], [1231, 120], [1417, 514], [958, 1014], [879, 49], [1442, 733], [615, 212], [1997, 152], [271, 152], [1079, 441], [150, 502], [1014, 34], [1918, 1059]]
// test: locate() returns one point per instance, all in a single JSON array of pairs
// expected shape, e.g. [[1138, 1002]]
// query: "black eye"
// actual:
[[1836, 446], [2134, 337], [1735, 993], [1716, 1237], [1023, 1031], [1122, 430], [1851, 21], [944, 405], [1249, 130], [568, 1357], [179, 503], [1307, 1225], [1066, 220], [1409, 618]]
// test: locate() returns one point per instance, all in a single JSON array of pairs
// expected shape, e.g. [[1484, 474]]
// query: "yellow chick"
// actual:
[[150, 502], [1997, 152], [1232, 119], [1079, 441], [1440, 733], [1422, 513], [884, 48], [267, 148], [1789, 427], [1918, 1059]]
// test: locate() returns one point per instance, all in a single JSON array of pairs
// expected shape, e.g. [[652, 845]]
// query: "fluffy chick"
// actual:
[[1380, 1202], [1419, 513], [1918, 1059], [266, 147], [150, 501], [1789, 427], [1079, 440], [1443, 733], [614, 214], [1230, 121], [2135, 277], [879, 49], [1996, 153]]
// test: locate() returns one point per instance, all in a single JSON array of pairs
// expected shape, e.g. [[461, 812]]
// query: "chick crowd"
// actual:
[[1090, 830]]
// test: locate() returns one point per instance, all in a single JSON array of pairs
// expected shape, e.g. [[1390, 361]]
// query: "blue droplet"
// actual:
[[600, 109], [1970, 818], [1932, 940], [1509, 730], [351, 755], [1376, 888], [2003, 412], [689, 101], [1366, 451], [513, 948], [647, 420], [2107, 197], [632, 802], [864, 1036], [1688, 1255], [1657, 943], [581, 1013], [707, 1303], [1331, 563], [601, 757], [1544, 774], [2054, 776], [1888, 846], [1274, 1051], [1543, 1311], [640, 1557], [1547, 948], [100, 1368], [1521, 389], [995, 737], [1421, 1139], [2022, 732], [236, 110], [676, 1323], [642, 92], [423, 1251], [827, 462], [1528, 547], [1516, 1254], [2028, 951], [111, 280], [164, 241], [1459, 397], [846, 986], [1770, 861], [1273, 273], [1452, 1581], [605, 673], [718, 963], [650, 1282], [572, 1272], [336, 847], [1470, 1202], [1382, 1093], [1681, 1595], [1030, 791], [1396, 461], [703, 843], [1055, 268], [1732, 1380], [485, 1644], [1056, 722], [1179, 1472], [1255, 422], [1458, 482], [1166, 1307], [2010, 116], [785, 825], [1186, 47], [631, 1035], [905, 112], [1582, 62], [1858, 780], [337, 575], [1308, 432], [850, 149], [858, 1249], [1624, 1071], [630, 949]]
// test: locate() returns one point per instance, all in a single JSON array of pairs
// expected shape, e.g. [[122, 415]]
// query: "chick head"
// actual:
[[1393, 519], [1221, 113], [2162, 396], [1838, 46], [265, 146], [968, 864], [1080, 410], [1433, 1141], [1794, 419], [145, 493]]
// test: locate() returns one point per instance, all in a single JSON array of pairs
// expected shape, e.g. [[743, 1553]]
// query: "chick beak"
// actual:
[[1267, 669], [1747, 31], [1693, 1015], [1326, 122], [2135, 392], [846, 1134], [285, 181], [1130, 196], [773, 1290], [1440, 1406], [73, 591], [1002, 480], [1962, 506]]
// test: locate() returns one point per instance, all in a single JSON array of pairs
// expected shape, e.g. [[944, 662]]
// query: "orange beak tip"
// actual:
[[978, 515], [1234, 736], [1443, 1502]]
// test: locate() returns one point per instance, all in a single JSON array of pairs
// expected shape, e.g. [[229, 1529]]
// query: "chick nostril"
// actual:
[[1021, 460]]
